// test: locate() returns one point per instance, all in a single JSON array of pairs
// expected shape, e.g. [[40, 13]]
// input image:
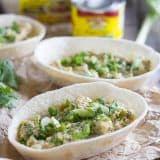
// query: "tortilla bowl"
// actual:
[[25, 47], [83, 148], [50, 50]]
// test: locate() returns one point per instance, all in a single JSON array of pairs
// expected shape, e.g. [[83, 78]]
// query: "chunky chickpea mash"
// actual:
[[15, 32], [82, 119], [103, 65]]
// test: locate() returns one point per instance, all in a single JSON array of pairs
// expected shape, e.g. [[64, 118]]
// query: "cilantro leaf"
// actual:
[[7, 74], [7, 96]]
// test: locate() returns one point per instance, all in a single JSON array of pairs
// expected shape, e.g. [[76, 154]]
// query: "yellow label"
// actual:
[[48, 11], [97, 25]]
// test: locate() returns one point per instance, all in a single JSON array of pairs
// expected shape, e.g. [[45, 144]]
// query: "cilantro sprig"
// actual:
[[7, 74], [7, 96], [8, 80]]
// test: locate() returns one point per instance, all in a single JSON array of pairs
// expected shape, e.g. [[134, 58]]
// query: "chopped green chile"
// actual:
[[103, 65], [73, 120]]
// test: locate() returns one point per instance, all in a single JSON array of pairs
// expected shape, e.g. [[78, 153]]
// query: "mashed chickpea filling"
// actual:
[[72, 121], [103, 65]]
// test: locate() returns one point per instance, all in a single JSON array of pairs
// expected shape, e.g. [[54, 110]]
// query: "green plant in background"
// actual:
[[151, 17]]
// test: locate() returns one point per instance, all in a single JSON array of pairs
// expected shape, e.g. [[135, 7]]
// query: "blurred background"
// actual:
[[58, 15]]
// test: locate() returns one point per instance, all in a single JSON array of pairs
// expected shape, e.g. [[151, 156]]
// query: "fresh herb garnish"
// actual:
[[7, 96], [8, 33], [7, 74], [8, 79]]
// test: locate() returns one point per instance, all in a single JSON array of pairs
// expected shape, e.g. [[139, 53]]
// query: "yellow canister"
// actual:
[[105, 21], [47, 11]]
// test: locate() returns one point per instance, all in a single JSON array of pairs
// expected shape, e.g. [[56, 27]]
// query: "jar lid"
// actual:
[[97, 5]]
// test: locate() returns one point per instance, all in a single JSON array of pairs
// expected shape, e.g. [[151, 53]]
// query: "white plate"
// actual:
[[52, 49], [25, 47], [83, 148]]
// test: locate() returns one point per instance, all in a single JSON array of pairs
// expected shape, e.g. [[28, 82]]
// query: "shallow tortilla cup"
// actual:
[[24, 47], [49, 50], [83, 148]]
